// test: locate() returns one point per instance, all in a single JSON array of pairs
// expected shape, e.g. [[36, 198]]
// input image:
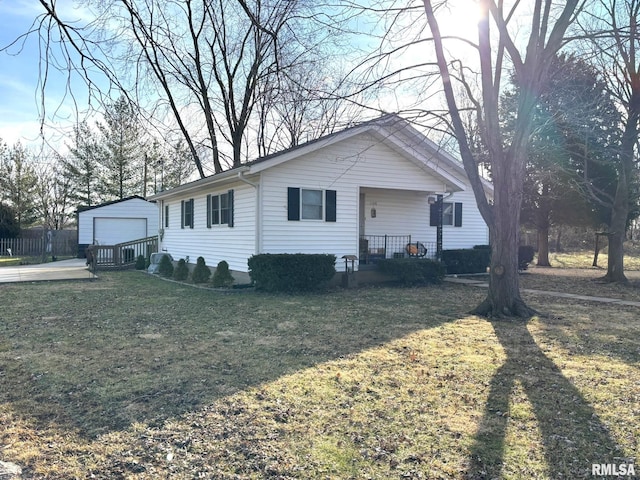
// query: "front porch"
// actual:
[[377, 247]]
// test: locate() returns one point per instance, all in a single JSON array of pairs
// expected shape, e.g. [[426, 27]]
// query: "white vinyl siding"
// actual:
[[134, 208], [344, 167], [394, 185], [234, 245]]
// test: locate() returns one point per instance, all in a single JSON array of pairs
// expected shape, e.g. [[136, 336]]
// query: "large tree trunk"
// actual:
[[503, 299], [543, 247], [620, 209]]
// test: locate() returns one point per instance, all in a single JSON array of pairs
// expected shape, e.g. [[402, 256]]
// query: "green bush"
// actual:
[[466, 260], [413, 271], [525, 256], [181, 271], [140, 262], [201, 272], [165, 268], [222, 276], [291, 272]]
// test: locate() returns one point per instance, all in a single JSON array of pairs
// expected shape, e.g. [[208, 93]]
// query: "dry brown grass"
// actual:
[[133, 377]]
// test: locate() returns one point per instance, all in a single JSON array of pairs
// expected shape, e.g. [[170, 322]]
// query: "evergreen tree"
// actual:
[[8, 222], [17, 183], [122, 161], [81, 169], [571, 147]]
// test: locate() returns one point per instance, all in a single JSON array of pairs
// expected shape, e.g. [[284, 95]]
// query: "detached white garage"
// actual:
[[116, 222]]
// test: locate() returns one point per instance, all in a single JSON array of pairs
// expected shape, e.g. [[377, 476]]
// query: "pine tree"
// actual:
[[82, 166], [122, 160], [17, 183]]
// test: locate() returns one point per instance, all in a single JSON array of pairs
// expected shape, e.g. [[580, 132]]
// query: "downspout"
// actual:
[[258, 221]]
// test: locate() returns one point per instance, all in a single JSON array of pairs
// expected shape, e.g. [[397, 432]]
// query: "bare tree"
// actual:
[[548, 23], [197, 66], [613, 33], [51, 194]]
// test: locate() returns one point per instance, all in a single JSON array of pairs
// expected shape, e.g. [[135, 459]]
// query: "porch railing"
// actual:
[[121, 255], [378, 247]]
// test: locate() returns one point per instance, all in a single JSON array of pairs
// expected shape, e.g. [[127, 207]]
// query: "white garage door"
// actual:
[[109, 231]]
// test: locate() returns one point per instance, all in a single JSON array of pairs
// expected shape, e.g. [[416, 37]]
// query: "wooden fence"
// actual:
[[38, 247], [122, 255]]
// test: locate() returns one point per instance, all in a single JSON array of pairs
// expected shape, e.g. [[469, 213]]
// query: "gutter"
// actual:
[[258, 221]]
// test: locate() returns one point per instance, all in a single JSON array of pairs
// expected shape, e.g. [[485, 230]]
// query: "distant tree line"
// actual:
[[112, 159]]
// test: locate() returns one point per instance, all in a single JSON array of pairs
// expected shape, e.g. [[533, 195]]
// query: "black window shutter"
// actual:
[[330, 197], [208, 211], [166, 216], [192, 208], [231, 208], [293, 203], [433, 215], [457, 222], [182, 214]]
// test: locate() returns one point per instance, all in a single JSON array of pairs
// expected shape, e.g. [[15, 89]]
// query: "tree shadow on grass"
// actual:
[[122, 351], [573, 437]]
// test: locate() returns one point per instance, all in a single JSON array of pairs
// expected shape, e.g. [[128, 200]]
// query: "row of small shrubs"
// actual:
[[201, 273], [413, 271], [291, 272]]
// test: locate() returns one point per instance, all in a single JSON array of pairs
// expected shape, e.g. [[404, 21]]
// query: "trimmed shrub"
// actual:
[[413, 271], [165, 267], [140, 262], [181, 271], [222, 276], [525, 256], [288, 272], [469, 260], [201, 272]]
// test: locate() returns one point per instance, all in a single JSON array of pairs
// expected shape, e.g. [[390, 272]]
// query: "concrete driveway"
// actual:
[[74, 269]]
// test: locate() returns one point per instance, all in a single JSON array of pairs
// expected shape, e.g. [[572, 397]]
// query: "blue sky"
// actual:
[[21, 106], [20, 101]]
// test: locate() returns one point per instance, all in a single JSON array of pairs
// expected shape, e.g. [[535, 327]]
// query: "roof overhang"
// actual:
[[391, 130], [201, 183]]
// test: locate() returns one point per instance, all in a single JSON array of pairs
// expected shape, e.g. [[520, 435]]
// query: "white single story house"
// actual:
[[116, 222], [366, 191]]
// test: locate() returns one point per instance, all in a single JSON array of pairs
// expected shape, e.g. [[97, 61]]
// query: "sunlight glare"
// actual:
[[459, 18]]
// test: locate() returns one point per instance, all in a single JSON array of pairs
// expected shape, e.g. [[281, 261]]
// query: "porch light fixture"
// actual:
[[373, 213], [431, 200]]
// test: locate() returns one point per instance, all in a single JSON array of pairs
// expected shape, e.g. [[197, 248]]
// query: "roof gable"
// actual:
[[392, 130]]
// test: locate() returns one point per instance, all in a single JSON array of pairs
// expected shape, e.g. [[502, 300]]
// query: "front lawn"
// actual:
[[133, 377]]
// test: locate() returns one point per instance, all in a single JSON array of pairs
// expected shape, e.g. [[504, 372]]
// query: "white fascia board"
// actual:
[[200, 184], [456, 166]]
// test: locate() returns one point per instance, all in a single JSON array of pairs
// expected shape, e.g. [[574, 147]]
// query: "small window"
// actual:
[[451, 214], [220, 209], [166, 216], [311, 204], [187, 213], [447, 213], [308, 204]]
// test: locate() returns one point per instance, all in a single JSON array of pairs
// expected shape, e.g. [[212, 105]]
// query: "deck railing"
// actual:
[[378, 247], [121, 255]]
